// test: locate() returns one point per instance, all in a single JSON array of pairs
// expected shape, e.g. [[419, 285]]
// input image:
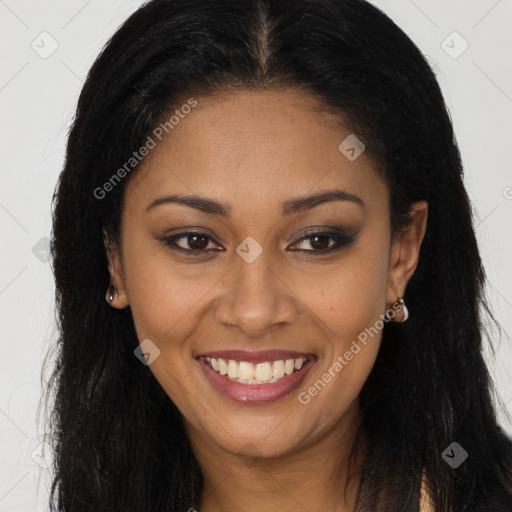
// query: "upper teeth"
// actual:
[[259, 373]]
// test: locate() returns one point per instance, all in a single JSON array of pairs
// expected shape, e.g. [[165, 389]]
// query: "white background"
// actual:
[[37, 100]]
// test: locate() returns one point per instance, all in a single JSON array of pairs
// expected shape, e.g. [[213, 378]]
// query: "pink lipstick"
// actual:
[[255, 377]]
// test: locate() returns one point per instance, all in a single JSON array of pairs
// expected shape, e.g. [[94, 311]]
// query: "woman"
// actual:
[[268, 282]]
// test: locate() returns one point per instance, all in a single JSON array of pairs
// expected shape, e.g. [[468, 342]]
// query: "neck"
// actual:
[[317, 476]]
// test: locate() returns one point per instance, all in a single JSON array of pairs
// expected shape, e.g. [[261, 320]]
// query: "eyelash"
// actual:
[[342, 241]]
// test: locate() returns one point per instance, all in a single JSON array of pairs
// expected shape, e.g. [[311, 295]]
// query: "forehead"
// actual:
[[254, 145]]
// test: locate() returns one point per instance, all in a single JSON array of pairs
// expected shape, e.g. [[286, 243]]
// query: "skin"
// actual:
[[254, 150]]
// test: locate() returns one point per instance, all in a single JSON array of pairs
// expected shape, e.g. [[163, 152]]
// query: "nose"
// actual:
[[255, 299]]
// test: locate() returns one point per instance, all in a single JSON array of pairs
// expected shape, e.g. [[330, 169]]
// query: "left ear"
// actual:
[[405, 249]]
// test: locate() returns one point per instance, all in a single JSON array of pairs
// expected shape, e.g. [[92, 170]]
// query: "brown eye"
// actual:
[[321, 242], [190, 241], [197, 241]]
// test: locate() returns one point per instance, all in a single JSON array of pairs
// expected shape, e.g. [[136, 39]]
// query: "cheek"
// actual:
[[351, 308], [163, 300], [350, 304], [349, 298], [167, 307]]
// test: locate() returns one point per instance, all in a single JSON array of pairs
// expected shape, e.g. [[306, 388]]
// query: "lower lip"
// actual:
[[255, 393]]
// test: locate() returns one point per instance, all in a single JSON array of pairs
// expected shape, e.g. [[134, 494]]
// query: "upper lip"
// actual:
[[255, 357]]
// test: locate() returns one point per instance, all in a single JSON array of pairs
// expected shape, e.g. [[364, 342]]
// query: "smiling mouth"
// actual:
[[266, 372]]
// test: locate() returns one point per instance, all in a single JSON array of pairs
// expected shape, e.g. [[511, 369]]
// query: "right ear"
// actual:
[[115, 269]]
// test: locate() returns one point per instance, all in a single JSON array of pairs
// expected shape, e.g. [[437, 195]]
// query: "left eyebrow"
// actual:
[[300, 204], [289, 207]]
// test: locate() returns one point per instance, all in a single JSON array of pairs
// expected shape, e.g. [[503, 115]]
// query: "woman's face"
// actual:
[[253, 279]]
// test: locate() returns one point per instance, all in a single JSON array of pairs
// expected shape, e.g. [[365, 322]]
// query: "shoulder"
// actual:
[[425, 502]]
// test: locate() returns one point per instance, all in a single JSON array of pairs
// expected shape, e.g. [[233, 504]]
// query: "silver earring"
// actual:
[[111, 296], [405, 311]]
